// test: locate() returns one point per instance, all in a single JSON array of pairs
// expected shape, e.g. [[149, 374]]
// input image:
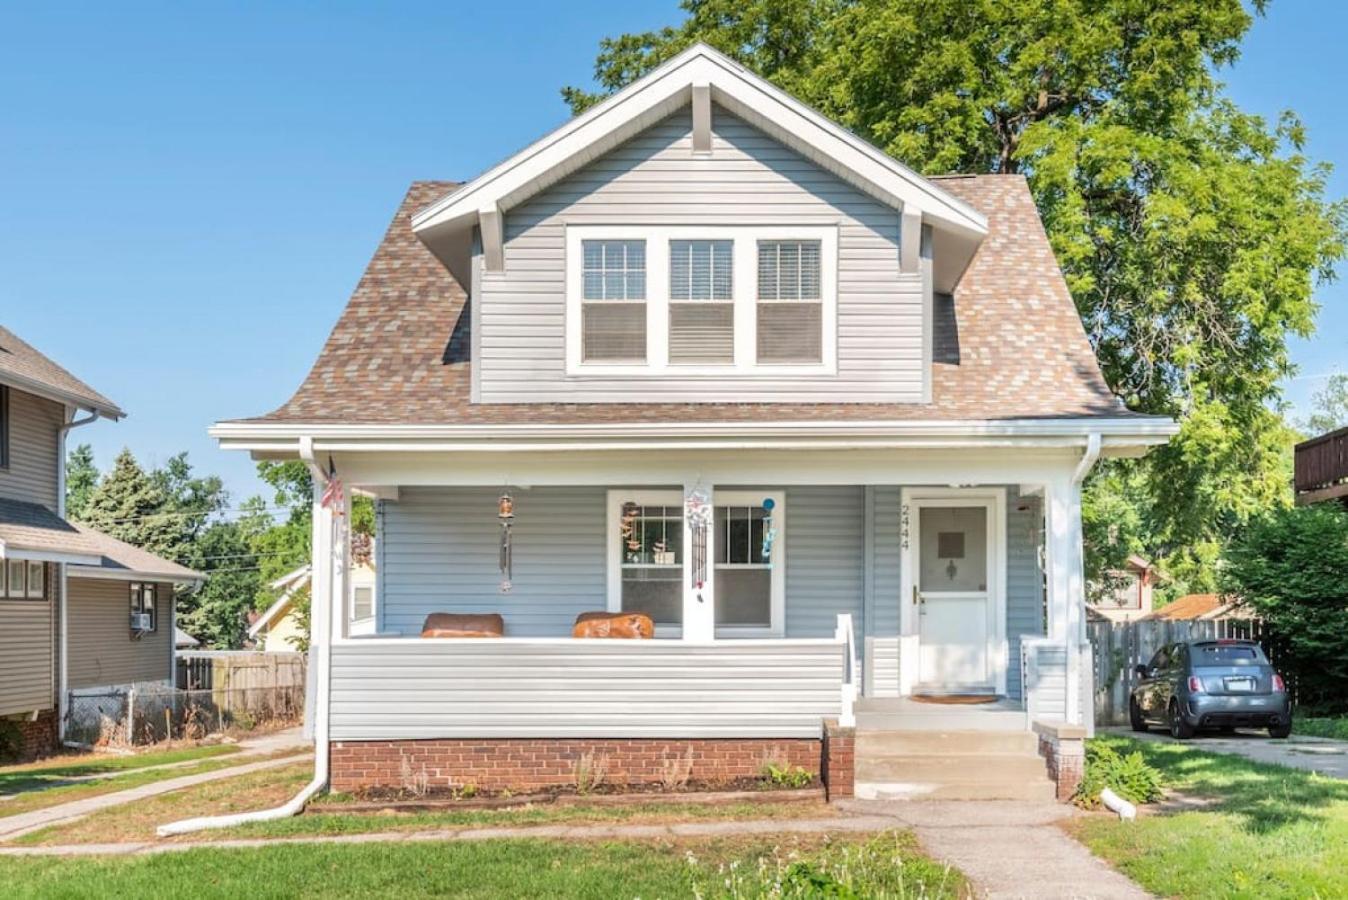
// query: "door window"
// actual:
[[1161, 661], [954, 548]]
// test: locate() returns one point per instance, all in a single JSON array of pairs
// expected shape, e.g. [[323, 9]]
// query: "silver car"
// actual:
[[1221, 684]]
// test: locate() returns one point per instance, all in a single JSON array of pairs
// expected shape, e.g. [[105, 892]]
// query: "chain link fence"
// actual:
[[151, 712]]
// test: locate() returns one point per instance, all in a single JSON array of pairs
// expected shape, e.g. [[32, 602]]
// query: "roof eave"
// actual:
[[103, 407]]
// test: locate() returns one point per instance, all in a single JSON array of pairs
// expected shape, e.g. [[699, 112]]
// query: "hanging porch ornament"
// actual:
[[769, 532], [505, 512], [697, 512]]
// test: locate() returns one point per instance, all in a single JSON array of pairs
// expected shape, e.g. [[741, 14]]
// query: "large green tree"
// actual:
[[81, 479], [1192, 234], [1329, 406]]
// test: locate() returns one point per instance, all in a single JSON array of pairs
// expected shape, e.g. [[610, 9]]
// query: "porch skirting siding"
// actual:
[[410, 689], [531, 763]]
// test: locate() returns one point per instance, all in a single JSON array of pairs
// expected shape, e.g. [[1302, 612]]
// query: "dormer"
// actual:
[[701, 236]]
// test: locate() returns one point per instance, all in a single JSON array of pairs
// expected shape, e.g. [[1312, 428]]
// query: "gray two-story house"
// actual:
[[703, 356], [79, 610]]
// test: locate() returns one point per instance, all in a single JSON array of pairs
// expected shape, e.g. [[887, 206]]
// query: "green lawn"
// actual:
[[55, 771], [1269, 831], [1327, 726], [889, 865]]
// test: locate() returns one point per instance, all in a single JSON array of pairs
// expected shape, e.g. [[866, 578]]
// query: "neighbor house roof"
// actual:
[[121, 560], [1198, 606], [32, 531], [1009, 343], [25, 368]]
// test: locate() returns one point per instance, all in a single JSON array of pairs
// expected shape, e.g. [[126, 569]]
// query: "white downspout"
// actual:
[[62, 605], [320, 657], [1076, 608]]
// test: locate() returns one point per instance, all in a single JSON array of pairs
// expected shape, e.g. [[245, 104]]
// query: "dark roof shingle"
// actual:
[[27, 367]]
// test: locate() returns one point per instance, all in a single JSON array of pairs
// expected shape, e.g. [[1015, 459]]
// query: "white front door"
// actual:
[[953, 570]]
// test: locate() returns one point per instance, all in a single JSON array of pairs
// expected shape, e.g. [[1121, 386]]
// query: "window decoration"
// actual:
[[769, 532], [505, 513], [613, 308], [698, 513], [650, 540]]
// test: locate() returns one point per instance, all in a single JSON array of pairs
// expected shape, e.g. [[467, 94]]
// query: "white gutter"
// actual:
[[62, 606], [1088, 459], [321, 655], [1076, 612]]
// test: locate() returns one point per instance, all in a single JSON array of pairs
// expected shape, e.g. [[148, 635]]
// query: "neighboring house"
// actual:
[[184, 641], [1200, 608], [1321, 469], [701, 354], [1128, 594], [78, 609], [278, 629]]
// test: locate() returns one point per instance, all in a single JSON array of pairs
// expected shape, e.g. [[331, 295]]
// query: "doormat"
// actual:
[[955, 699]]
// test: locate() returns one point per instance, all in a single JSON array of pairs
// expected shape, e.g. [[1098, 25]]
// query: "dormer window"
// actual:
[[683, 300]]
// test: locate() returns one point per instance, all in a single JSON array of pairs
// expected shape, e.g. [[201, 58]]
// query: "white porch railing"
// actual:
[[851, 681]]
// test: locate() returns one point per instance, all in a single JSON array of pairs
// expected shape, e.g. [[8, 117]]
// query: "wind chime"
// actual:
[[697, 511], [769, 532], [505, 512]]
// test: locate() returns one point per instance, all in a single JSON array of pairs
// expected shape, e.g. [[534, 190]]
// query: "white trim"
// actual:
[[103, 574], [670, 87], [613, 558], [994, 500], [65, 398], [52, 556], [777, 600], [744, 292]]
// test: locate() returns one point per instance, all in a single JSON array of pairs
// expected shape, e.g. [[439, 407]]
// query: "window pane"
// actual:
[[613, 270], [613, 331], [789, 270], [744, 597], [594, 286], [592, 255], [702, 333], [700, 270], [362, 606], [767, 271], [656, 592], [790, 332], [809, 270], [953, 548], [636, 285], [680, 256], [721, 281]]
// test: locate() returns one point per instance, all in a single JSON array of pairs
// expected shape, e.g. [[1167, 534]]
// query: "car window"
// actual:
[[1225, 654], [1161, 660]]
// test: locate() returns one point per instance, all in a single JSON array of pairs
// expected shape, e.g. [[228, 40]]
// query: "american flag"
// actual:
[[332, 493]]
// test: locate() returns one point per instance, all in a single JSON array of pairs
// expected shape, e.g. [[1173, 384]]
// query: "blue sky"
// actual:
[[188, 196]]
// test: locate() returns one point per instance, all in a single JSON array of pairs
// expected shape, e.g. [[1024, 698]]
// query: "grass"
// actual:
[[889, 865], [64, 793], [1264, 830], [53, 772], [1322, 726], [261, 790]]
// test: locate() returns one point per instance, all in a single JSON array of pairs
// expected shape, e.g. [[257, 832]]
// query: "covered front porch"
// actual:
[[780, 585]]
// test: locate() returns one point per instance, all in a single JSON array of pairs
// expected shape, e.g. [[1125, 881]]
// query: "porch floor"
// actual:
[[906, 714]]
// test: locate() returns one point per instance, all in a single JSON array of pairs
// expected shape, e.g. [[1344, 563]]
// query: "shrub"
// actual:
[[784, 775], [1128, 776], [11, 741], [1291, 567]]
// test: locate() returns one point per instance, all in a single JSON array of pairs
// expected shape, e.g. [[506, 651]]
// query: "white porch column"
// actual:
[[699, 604], [330, 555], [1066, 584]]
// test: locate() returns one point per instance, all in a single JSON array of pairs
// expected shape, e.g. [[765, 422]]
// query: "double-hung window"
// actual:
[[701, 302], [790, 302], [613, 308], [144, 606], [691, 301]]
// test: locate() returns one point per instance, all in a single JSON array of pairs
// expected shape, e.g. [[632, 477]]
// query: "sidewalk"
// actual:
[[16, 826]]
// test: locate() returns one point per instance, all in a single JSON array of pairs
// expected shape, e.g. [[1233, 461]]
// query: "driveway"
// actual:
[[1314, 754]]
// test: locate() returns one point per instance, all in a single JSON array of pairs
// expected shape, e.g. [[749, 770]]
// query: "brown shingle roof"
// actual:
[[23, 366], [35, 528], [1011, 345]]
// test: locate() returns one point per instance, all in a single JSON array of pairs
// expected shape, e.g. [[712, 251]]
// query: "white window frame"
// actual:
[[616, 499], [744, 290], [37, 586]]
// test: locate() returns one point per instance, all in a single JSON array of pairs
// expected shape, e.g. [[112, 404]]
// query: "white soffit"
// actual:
[[654, 97]]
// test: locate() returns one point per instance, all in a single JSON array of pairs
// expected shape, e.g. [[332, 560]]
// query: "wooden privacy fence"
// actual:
[[227, 670], [1120, 646]]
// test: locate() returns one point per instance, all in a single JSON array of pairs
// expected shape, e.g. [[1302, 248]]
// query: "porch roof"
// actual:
[[1008, 345]]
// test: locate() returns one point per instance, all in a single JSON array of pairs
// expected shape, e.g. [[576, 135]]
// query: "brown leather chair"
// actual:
[[463, 625], [613, 625]]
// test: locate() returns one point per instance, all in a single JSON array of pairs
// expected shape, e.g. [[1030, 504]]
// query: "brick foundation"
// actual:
[[531, 763], [1063, 748], [37, 737], [839, 762]]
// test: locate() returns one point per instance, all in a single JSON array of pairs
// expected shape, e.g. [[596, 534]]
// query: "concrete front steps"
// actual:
[[950, 764]]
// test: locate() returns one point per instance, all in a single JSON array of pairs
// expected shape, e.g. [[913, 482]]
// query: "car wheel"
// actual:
[[1180, 730], [1135, 715], [1280, 731]]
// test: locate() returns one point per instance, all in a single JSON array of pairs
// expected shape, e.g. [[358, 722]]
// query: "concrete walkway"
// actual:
[[1007, 848], [16, 826], [1314, 754]]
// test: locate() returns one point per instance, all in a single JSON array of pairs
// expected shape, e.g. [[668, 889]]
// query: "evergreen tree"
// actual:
[[81, 479], [131, 506]]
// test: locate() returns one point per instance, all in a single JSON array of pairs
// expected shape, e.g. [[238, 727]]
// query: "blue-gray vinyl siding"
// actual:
[[439, 549], [654, 179]]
